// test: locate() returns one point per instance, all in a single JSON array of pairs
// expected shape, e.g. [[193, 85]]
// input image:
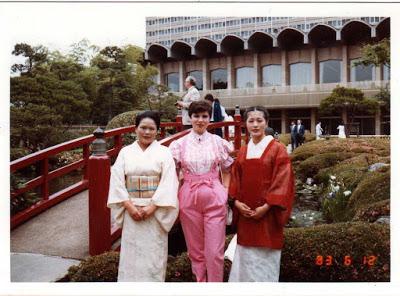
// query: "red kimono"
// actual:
[[268, 179]]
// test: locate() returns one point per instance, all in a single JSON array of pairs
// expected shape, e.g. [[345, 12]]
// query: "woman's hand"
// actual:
[[148, 211], [260, 212], [244, 209], [135, 213]]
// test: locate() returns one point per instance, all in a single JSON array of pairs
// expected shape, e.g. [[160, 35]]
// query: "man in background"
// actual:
[[191, 95]]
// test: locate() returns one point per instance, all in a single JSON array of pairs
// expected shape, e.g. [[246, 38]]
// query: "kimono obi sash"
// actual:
[[141, 186]]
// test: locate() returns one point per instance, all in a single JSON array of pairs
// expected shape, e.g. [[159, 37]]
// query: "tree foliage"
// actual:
[[51, 91], [162, 101], [376, 54], [351, 100]]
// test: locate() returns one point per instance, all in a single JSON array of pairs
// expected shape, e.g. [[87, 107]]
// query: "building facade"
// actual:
[[286, 64]]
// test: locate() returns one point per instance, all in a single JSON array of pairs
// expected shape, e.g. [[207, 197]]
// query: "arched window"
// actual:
[[361, 72], [271, 75], [329, 71], [198, 75], [172, 81], [245, 77], [219, 79], [300, 73]]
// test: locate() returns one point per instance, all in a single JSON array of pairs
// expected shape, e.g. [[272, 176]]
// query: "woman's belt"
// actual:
[[141, 186]]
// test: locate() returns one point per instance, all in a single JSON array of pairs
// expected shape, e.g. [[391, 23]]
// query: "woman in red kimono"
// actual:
[[262, 187]]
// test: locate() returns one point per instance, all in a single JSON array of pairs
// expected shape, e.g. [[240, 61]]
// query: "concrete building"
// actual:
[[286, 64]]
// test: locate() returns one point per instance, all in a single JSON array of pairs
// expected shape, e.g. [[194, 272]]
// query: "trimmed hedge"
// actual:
[[311, 166], [100, 268], [357, 239], [371, 213], [374, 187], [298, 261]]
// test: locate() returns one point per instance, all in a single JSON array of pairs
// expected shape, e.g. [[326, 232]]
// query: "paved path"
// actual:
[[63, 230], [27, 267]]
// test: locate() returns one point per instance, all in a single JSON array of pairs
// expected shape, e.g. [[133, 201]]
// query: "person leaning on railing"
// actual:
[[143, 193]]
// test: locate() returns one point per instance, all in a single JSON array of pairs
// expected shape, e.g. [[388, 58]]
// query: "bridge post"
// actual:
[[179, 120], [238, 128], [99, 181]]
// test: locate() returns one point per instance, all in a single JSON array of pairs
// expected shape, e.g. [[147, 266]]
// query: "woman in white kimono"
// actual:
[[143, 195]]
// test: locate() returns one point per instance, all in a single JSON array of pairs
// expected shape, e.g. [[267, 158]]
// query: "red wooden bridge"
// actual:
[[78, 212]]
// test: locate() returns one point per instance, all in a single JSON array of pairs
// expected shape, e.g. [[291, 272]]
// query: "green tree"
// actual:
[[35, 56], [350, 100], [122, 81], [376, 54], [45, 102], [162, 101], [83, 52]]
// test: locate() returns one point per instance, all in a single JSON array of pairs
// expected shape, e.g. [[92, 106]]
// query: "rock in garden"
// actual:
[[376, 166], [383, 220]]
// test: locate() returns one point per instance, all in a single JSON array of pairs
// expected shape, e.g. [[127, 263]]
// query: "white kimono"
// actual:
[[254, 264], [144, 244], [318, 131]]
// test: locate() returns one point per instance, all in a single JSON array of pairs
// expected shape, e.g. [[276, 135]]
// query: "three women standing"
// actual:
[[143, 192], [201, 157], [144, 187]]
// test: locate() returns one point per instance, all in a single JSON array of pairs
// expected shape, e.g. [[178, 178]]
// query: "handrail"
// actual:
[[46, 175]]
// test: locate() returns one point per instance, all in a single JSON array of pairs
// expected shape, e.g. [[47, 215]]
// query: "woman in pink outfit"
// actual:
[[201, 157]]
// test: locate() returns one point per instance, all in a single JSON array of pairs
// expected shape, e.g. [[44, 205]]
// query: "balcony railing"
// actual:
[[292, 89]]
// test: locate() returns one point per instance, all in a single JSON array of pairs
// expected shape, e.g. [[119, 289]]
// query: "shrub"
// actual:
[[284, 139], [179, 269], [334, 208], [122, 120], [100, 268], [370, 213], [312, 165], [356, 239], [349, 170], [374, 187]]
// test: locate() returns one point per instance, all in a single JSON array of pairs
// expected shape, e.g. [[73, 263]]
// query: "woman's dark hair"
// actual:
[[262, 109], [199, 107], [209, 97], [148, 114]]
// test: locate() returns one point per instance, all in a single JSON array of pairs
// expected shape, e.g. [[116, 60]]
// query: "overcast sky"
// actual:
[[57, 26]]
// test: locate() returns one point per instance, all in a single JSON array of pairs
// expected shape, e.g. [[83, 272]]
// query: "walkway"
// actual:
[[63, 230]]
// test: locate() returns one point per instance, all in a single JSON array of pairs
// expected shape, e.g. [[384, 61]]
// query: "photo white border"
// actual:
[[8, 16]]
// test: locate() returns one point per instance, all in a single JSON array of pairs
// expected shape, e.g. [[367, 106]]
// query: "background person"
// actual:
[[318, 130], [143, 193], [299, 133], [341, 130], [191, 95], [293, 135], [218, 113]]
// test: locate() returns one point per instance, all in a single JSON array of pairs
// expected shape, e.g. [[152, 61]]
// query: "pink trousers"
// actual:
[[202, 205]]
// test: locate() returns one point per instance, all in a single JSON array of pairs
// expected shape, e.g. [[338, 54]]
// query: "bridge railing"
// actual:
[[95, 176], [45, 175]]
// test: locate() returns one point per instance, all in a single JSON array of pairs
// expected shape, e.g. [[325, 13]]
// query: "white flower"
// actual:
[[311, 218], [294, 217], [335, 188], [304, 215], [333, 177], [347, 193]]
